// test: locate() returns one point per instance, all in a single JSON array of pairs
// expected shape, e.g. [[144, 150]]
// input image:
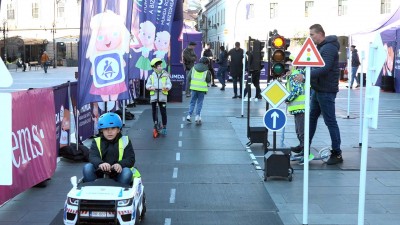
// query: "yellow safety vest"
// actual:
[[299, 102], [163, 82], [122, 143], [198, 81]]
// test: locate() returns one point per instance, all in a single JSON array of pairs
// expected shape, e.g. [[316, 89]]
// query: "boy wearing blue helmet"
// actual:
[[110, 151]]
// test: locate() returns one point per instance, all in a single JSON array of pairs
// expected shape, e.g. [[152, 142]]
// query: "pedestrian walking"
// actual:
[[222, 61], [325, 86], [355, 63], [236, 68], [199, 79], [189, 57], [44, 59], [209, 54]]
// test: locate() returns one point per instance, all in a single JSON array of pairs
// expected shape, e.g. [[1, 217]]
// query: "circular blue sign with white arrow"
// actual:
[[274, 119]]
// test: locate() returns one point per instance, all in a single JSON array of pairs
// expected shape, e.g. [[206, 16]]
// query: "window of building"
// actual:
[[342, 7], [35, 10], [273, 10], [385, 6], [60, 9], [308, 7], [250, 11], [10, 12]]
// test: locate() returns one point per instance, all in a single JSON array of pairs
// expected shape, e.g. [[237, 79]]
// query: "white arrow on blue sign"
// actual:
[[274, 119]]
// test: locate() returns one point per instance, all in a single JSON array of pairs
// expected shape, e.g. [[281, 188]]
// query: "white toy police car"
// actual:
[[105, 201]]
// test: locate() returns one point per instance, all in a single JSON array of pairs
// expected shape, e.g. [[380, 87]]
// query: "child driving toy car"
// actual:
[[110, 152]]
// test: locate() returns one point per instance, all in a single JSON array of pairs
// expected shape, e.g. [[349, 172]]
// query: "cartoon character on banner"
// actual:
[[65, 126], [95, 117], [146, 37], [108, 43], [162, 46]]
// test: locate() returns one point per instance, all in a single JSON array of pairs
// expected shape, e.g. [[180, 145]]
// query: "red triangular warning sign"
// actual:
[[309, 55]]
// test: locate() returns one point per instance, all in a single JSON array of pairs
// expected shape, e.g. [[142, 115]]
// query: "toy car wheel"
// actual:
[[142, 214], [137, 217], [290, 177]]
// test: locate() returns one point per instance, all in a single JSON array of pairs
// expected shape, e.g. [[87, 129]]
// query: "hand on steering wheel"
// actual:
[[106, 167]]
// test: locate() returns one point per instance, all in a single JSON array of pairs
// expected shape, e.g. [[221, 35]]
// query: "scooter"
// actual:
[[322, 154], [158, 127]]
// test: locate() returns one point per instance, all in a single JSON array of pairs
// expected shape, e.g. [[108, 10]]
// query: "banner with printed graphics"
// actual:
[[118, 40], [62, 115], [33, 140]]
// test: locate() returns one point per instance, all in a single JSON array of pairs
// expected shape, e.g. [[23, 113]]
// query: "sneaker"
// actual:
[[334, 158], [198, 119], [239, 96], [214, 85], [246, 100], [296, 149], [164, 131], [235, 96], [256, 99], [310, 157], [188, 119], [357, 86]]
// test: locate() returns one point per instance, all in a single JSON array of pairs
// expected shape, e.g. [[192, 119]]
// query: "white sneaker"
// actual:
[[256, 99], [188, 119], [245, 99], [198, 119]]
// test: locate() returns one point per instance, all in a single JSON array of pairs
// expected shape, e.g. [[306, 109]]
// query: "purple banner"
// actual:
[[33, 140], [117, 41]]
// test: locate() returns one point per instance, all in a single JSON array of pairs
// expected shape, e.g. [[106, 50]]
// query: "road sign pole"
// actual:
[[306, 145], [361, 99]]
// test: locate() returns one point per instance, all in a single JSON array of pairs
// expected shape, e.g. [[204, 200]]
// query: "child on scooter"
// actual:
[[105, 152], [158, 83]]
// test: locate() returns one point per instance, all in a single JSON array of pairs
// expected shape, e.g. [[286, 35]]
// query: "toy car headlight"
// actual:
[[125, 202], [73, 201]]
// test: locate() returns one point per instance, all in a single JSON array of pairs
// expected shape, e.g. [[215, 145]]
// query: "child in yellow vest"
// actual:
[[296, 106], [159, 83]]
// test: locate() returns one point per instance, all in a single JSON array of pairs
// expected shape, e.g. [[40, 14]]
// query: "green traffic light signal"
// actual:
[[278, 68]]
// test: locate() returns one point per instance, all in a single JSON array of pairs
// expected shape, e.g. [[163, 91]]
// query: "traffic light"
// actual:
[[278, 47], [257, 55]]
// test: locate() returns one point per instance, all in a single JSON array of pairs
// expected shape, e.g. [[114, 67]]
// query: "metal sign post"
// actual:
[[308, 56], [377, 56]]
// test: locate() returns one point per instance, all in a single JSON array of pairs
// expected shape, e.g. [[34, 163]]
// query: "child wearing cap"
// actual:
[[158, 83]]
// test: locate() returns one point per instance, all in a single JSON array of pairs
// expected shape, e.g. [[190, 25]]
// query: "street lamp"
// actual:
[[53, 30], [4, 39]]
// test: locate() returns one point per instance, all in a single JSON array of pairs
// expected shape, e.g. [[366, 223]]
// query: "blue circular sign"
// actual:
[[274, 119]]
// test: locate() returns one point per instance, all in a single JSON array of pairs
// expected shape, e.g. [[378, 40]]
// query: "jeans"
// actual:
[[45, 66], [221, 74], [89, 174], [354, 76], [197, 97], [324, 103]]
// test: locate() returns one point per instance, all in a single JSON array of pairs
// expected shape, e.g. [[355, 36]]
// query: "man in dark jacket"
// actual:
[[236, 68], [189, 57], [325, 85], [355, 63], [208, 53]]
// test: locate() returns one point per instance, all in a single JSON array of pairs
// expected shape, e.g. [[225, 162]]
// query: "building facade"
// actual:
[[223, 22], [30, 27]]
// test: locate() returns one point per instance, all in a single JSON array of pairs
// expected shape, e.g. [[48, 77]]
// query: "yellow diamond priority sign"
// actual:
[[275, 93]]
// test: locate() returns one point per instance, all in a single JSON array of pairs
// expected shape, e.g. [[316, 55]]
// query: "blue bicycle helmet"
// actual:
[[109, 120]]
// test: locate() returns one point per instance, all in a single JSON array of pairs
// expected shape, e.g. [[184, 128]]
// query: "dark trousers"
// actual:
[[163, 110], [235, 79], [211, 69], [324, 103], [255, 79]]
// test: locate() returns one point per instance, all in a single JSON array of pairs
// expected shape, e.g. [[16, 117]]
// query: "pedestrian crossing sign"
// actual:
[[309, 55]]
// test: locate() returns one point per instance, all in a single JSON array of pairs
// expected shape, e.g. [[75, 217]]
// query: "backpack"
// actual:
[[70, 152]]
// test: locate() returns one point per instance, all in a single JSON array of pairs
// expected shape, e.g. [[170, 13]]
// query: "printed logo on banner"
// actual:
[[108, 70]]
